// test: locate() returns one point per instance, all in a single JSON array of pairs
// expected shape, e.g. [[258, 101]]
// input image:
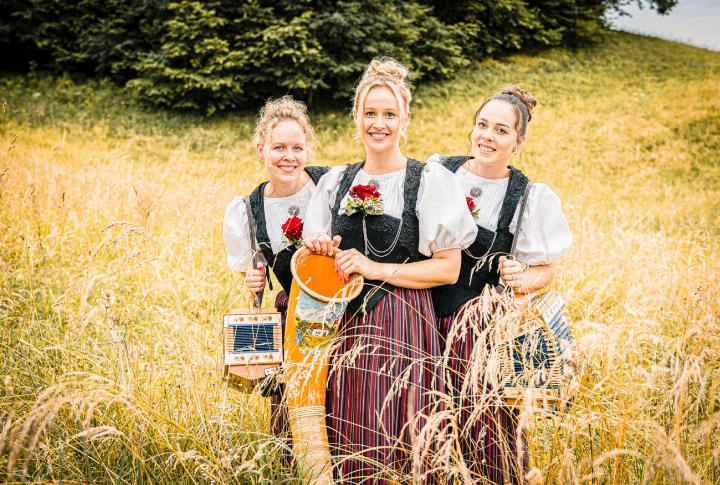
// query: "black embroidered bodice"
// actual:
[[476, 273], [381, 231], [280, 262]]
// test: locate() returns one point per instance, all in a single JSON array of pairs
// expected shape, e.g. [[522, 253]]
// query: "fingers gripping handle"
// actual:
[[256, 298]]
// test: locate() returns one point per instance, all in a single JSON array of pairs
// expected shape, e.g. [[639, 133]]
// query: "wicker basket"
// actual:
[[537, 356]]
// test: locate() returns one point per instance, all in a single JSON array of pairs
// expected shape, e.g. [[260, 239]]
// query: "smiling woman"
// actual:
[[494, 190], [402, 225], [283, 140]]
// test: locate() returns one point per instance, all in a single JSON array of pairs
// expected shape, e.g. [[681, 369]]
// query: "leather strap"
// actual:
[[523, 202], [257, 255]]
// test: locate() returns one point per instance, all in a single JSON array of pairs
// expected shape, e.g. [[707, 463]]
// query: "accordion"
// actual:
[[539, 359], [252, 343]]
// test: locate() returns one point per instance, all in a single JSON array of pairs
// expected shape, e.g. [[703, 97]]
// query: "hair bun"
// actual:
[[525, 96], [386, 67]]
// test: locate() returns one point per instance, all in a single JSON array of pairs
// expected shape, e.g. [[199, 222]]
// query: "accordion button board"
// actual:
[[539, 359]]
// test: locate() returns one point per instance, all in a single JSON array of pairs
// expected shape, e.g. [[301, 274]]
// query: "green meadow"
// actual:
[[113, 279]]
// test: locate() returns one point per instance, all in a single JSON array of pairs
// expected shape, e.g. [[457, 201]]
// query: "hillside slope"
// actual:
[[113, 279]]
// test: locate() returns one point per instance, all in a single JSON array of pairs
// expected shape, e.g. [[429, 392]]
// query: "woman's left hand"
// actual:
[[512, 272], [352, 261]]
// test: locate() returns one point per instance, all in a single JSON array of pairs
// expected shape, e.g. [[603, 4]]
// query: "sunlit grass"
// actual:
[[114, 280]]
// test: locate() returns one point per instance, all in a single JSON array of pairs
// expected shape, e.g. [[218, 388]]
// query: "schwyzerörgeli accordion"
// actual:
[[539, 359], [252, 343]]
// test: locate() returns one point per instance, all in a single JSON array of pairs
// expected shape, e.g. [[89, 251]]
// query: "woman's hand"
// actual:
[[255, 279], [512, 272], [523, 278], [352, 261], [322, 244]]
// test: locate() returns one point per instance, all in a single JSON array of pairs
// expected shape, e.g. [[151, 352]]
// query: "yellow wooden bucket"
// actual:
[[318, 299]]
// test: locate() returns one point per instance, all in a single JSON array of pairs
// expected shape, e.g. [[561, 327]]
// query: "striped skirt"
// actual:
[[278, 410], [383, 383], [488, 445]]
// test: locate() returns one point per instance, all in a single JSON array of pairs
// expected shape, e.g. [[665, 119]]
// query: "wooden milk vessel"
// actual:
[[318, 299]]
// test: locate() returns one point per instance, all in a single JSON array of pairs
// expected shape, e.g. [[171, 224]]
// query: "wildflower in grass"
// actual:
[[364, 198]]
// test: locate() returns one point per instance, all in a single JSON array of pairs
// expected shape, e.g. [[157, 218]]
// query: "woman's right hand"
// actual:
[[322, 244], [255, 279]]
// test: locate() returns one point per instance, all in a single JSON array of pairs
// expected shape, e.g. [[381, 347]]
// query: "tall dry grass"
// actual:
[[114, 281]]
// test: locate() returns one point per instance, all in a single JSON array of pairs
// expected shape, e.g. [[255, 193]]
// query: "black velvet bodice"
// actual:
[[381, 231], [280, 262], [480, 267]]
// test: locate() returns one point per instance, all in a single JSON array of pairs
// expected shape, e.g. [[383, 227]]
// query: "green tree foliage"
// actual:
[[222, 54], [102, 37]]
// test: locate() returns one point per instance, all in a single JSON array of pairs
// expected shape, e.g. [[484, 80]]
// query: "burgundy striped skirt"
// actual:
[[278, 410], [488, 445], [383, 383]]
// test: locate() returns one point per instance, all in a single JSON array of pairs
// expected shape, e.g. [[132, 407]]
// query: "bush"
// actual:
[[223, 54]]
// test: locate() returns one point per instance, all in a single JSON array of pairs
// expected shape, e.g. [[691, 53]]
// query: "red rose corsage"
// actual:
[[364, 198], [474, 211], [292, 230]]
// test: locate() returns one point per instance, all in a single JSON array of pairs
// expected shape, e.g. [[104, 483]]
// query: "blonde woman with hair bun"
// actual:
[[284, 141], [402, 225], [494, 190]]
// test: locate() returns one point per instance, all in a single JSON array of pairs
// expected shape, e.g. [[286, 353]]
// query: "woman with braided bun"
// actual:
[[494, 190], [284, 139], [402, 225]]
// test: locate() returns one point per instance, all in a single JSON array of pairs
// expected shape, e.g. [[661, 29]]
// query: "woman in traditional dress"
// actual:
[[284, 139], [493, 190], [402, 225]]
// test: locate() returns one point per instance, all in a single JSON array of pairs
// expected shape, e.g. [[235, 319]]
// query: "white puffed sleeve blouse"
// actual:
[[544, 236], [277, 210], [444, 219]]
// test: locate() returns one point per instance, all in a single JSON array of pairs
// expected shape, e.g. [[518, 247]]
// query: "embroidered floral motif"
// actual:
[[471, 206], [364, 198], [292, 230]]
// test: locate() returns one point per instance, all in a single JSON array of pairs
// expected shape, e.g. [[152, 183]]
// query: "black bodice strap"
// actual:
[[381, 231], [315, 172], [280, 262], [453, 163], [477, 271]]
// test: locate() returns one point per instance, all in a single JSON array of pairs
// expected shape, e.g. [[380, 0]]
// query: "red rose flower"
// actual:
[[470, 203], [293, 228], [363, 192]]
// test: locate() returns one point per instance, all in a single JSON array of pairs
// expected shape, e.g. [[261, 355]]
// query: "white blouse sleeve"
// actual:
[[544, 236], [435, 157], [237, 236], [445, 220], [318, 217]]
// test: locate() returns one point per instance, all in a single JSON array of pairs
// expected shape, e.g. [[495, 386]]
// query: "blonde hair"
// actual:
[[383, 71], [281, 109]]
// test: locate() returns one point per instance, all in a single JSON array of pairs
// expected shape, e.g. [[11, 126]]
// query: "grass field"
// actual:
[[113, 279]]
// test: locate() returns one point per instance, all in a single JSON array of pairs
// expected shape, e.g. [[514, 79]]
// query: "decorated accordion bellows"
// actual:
[[537, 359]]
